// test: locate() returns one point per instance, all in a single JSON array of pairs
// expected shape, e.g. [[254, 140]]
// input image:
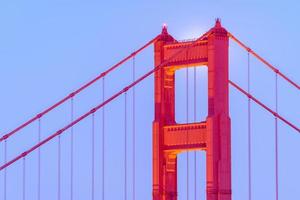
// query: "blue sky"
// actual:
[[49, 48]]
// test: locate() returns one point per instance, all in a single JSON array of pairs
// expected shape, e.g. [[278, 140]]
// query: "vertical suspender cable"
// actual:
[[133, 130], [125, 146], [103, 138], [93, 156], [39, 161], [187, 135], [72, 150], [195, 118], [5, 170], [276, 134], [249, 133], [24, 178], [58, 167]]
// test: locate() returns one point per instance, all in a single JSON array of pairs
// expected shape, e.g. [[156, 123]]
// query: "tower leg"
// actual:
[[164, 169], [170, 176], [157, 192], [218, 121], [218, 158], [212, 160]]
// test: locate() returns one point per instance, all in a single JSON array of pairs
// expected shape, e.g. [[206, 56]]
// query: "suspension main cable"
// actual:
[[73, 94], [102, 105], [264, 106], [264, 61]]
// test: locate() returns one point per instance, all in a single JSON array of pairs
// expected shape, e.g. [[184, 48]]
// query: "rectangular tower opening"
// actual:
[[186, 81], [193, 187]]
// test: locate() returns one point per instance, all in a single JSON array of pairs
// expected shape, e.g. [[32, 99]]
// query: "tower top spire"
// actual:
[[164, 29], [218, 23]]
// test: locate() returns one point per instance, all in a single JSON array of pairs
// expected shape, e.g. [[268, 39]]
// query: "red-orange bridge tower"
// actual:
[[212, 135]]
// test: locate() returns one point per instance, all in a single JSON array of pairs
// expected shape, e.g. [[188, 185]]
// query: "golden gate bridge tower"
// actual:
[[212, 135]]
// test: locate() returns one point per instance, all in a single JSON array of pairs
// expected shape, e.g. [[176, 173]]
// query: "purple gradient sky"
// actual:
[[49, 48]]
